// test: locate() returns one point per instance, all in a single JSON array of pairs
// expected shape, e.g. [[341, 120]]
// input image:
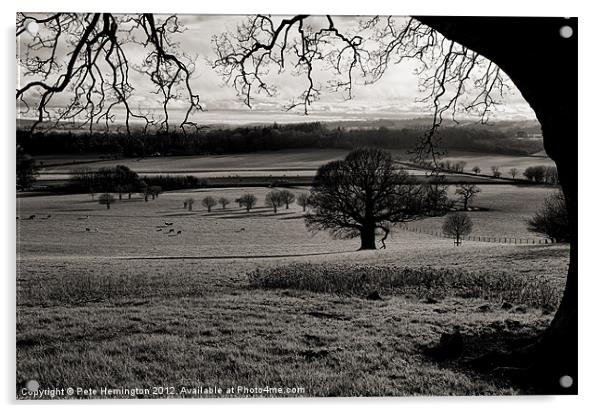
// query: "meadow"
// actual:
[[109, 297], [293, 162]]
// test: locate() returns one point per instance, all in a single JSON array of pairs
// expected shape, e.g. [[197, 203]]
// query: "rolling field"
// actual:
[[302, 162], [126, 305], [504, 162]]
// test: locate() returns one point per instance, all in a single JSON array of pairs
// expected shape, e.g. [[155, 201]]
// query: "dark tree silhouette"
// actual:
[[208, 202], [552, 219], [457, 225], [274, 199], [189, 203], [363, 194], [287, 197], [248, 201], [467, 194], [303, 200], [223, 201]]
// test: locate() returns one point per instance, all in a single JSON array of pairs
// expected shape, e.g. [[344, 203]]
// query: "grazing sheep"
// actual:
[[168, 223], [159, 229], [87, 229], [179, 232], [31, 217], [170, 231]]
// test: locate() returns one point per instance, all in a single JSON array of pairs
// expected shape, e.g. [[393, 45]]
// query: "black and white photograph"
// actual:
[[295, 206]]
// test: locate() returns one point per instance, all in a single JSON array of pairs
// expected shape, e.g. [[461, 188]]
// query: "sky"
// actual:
[[393, 96]]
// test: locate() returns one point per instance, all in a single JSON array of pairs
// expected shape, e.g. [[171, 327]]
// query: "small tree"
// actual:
[[209, 202], [188, 203], [467, 194], [495, 171], [513, 172], [106, 199], [457, 225], [303, 200], [287, 197], [476, 169], [552, 219], [248, 201], [223, 201], [274, 199], [535, 173]]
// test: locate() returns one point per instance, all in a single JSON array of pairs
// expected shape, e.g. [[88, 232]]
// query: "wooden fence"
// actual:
[[482, 238]]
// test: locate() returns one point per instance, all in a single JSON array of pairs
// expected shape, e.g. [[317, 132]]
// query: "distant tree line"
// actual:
[[260, 138], [122, 180]]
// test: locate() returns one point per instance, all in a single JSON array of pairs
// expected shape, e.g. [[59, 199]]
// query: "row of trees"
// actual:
[[273, 199], [269, 137], [537, 174]]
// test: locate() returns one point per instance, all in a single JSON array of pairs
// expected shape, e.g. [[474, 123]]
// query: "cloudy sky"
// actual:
[[393, 96]]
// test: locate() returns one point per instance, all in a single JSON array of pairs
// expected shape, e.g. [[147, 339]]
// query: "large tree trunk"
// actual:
[[543, 65], [368, 237]]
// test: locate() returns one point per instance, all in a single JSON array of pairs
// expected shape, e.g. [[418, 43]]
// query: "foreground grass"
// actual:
[[328, 345], [196, 324]]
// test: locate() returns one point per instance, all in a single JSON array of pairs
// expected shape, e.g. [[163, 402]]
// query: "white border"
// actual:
[[589, 170]]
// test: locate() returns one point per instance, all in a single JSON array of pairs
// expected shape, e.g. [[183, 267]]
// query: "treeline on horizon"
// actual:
[[246, 139]]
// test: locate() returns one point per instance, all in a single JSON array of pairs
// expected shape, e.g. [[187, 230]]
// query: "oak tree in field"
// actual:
[[467, 194], [106, 199], [274, 199], [287, 197], [457, 225], [476, 169], [495, 171], [552, 219], [208, 202], [189, 203], [513, 172], [365, 193], [248, 201], [223, 201], [303, 200], [535, 173]]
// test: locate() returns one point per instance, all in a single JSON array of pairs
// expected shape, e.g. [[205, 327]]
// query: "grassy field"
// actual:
[[126, 305], [303, 162], [504, 162]]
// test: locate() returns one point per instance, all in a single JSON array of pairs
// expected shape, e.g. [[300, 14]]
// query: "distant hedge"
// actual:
[[171, 182]]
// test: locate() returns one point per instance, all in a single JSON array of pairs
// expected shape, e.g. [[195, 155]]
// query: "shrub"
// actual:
[[360, 280], [552, 220]]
